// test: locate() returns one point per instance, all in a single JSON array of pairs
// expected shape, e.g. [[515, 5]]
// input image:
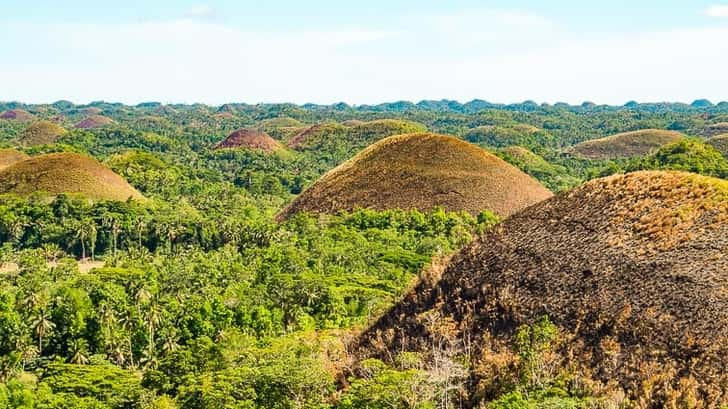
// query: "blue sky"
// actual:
[[363, 52]]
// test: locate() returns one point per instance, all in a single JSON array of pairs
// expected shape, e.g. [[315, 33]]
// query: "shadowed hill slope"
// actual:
[[633, 269], [17, 115], [421, 171], [58, 173], [41, 133], [250, 139], [11, 156], [627, 144]]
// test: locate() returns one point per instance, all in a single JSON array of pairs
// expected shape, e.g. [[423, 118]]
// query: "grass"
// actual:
[[627, 144], [95, 121], [41, 133], [720, 143], [421, 171], [11, 156], [17, 115], [630, 268], [250, 139], [57, 173]]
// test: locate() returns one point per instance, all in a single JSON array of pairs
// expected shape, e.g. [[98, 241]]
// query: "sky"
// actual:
[[365, 52]]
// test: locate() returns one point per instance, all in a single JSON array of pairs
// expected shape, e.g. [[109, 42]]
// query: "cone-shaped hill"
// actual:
[[421, 171], [627, 144], [17, 115], [58, 173], [633, 269], [95, 121], [250, 139], [41, 133], [11, 156]]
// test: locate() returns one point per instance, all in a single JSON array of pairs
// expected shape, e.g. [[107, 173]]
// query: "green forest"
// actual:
[[198, 296]]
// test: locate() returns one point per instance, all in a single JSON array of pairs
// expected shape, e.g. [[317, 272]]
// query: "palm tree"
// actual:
[[113, 224], [86, 230], [42, 326], [154, 320], [78, 349]]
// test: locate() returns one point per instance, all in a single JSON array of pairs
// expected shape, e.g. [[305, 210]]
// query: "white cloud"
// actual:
[[201, 11], [205, 61], [717, 10]]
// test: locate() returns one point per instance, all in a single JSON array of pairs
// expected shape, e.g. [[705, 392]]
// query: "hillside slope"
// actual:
[[11, 156], [632, 269], [627, 144], [421, 171]]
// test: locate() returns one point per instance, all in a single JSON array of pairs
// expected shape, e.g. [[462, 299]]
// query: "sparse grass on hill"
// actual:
[[58, 173], [632, 271], [421, 171], [250, 139], [17, 115], [41, 133], [627, 144], [720, 143], [11, 156], [95, 121]]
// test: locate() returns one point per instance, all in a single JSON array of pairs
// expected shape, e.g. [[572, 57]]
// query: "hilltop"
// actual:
[[626, 144], [250, 139], [630, 268], [95, 121], [11, 156], [17, 115], [58, 173], [41, 133], [421, 171]]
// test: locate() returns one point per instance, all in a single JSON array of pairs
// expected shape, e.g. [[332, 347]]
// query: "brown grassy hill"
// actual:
[[627, 144], [716, 129], [421, 171], [91, 111], [250, 139], [95, 121], [720, 143], [17, 115], [633, 269], [57, 173], [41, 133], [11, 156]]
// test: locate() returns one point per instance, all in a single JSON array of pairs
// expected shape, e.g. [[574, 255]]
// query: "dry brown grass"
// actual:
[[633, 269], [421, 171], [627, 144], [96, 121], [17, 115], [250, 139], [58, 173], [11, 156], [720, 143], [41, 133], [716, 129]]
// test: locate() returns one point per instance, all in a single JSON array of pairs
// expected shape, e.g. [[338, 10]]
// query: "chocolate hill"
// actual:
[[11, 156], [627, 144], [249, 139], [17, 115], [421, 171], [720, 143], [633, 270], [95, 121], [58, 173], [41, 133]]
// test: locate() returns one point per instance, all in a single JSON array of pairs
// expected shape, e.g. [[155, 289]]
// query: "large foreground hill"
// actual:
[[632, 269]]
